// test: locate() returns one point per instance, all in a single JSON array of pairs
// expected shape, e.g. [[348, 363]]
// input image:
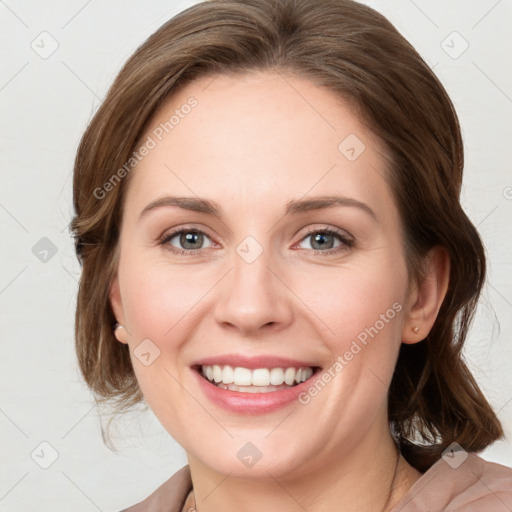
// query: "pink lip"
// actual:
[[253, 362], [252, 403]]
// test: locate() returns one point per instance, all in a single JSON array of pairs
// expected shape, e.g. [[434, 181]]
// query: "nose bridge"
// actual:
[[252, 295]]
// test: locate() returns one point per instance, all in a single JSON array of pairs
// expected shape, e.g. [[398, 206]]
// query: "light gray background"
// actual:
[[46, 104]]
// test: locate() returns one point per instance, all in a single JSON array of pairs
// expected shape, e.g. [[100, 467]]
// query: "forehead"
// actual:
[[259, 138]]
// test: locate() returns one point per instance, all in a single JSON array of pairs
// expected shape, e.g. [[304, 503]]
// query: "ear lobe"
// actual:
[[117, 307], [427, 297]]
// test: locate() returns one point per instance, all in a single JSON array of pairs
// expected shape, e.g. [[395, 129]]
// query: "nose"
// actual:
[[254, 297]]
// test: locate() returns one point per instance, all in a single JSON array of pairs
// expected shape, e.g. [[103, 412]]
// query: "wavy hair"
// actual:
[[355, 52]]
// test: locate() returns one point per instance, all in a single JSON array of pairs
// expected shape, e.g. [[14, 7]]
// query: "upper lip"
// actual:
[[253, 362]]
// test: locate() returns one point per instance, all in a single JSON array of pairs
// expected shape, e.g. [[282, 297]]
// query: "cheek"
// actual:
[[162, 305], [157, 297], [359, 309], [359, 312], [353, 297], [159, 303]]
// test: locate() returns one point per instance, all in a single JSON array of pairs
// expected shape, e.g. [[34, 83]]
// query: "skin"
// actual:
[[252, 144]]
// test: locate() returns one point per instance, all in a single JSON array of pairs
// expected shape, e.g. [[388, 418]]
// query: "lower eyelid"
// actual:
[[344, 241]]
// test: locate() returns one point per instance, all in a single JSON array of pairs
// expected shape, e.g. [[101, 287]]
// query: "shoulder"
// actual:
[[169, 497], [465, 483]]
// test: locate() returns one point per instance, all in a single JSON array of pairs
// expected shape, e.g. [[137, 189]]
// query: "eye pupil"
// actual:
[[191, 237], [322, 240], [193, 240]]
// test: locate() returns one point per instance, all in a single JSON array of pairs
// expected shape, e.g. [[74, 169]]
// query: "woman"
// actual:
[[276, 260]]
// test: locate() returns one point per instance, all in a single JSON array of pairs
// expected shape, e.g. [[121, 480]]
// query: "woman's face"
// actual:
[[300, 258]]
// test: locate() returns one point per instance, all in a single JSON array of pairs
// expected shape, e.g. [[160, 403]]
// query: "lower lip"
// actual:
[[251, 403]]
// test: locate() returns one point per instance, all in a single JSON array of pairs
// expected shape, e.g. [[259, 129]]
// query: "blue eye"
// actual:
[[190, 241], [324, 241]]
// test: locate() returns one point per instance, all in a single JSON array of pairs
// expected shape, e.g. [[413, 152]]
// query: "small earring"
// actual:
[[416, 329], [120, 336]]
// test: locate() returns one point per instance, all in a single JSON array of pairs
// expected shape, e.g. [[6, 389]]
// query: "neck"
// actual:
[[370, 477]]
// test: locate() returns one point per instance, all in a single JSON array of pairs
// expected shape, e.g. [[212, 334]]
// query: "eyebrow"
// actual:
[[296, 206]]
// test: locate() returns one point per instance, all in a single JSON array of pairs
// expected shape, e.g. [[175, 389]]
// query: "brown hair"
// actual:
[[355, 52]]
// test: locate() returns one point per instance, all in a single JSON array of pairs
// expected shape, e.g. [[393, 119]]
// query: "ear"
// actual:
[[117, 307], [426, 297]]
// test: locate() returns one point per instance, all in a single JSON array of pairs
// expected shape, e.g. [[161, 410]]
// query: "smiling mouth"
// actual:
[[259, 380]]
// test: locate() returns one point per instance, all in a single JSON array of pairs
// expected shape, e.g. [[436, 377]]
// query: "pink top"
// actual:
[[474, 485]]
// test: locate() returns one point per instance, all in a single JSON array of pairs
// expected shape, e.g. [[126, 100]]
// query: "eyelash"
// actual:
[[347, 243]]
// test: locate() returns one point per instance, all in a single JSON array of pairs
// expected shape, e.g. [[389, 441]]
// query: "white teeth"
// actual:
[[260, 377], [243, 376], [289, 376], [276, 376], [252, 389], [228, 375], [217, 373]]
